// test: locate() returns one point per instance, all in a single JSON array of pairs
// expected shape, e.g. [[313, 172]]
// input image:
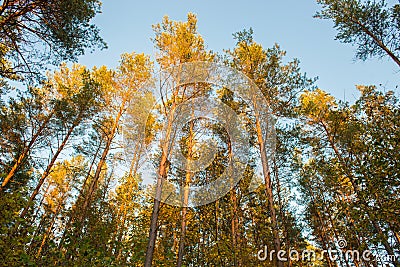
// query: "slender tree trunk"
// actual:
[[46, 235], [35, 215], [161, 175], [374, 223], [234, 226], [37, 230], [25, 152], [181, 250], [110, 138], [154, 219], [185, 199], [48, 169], [282, 211], [72, 216], [323, 230], [234, 217], [131, 176], [376, 40], [99, 168], [268, 188], [217, 231], [337, 236]]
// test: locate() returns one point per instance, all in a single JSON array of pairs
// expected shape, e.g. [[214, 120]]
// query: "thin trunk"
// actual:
[[131, 176], [35, 216], [153, 223], [72, 216], [161, 175], [185, 199], [234, 226], [282, 211], [38, 228], [268, 188], [234, 217], [377, 41], [217, 231], [374, 223], [337, 236], [321, 221], [103, 157], [50, 226], [25, 152], [48, 169], [181, 250]]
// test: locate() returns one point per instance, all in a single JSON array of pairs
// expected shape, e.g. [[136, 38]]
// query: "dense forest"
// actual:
[[190, 157]]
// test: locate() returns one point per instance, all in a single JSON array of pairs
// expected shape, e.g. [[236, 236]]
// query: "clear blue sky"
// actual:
[[126, 27]]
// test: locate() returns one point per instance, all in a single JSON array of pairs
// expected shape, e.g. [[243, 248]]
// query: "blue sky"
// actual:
[[126, 26]]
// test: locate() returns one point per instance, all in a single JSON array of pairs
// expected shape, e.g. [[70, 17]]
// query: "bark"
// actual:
[[48, 169], [268, 188], [373, 222], [323, 232], [234, 227], [72, 216], [110, 138], [234, 219], [282, 211], [185, 200], [376, 39], [132, 174], [47, 234], [161, 175], [25, 152]]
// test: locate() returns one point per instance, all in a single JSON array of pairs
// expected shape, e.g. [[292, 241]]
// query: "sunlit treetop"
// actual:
[[179, 42]]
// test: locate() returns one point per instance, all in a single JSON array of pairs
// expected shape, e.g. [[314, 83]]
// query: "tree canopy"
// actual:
[[34, 33], [115, 166]]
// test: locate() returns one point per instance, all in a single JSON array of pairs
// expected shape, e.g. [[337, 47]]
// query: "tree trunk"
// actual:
[[374, 223], [323, 234], [161, 175], [46, 235], [72, 216], [282, 211], [185, 199], [376, 40], [25, 152], [110, 138], [132, 174], [268, 188], [48, 169]]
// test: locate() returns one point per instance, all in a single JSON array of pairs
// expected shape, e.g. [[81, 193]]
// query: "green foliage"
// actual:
[[349, 175], [86, 203], [37, 32], [372, 26]]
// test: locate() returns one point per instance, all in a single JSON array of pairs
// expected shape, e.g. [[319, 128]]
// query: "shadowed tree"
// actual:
[[37, 32], [372, 26]]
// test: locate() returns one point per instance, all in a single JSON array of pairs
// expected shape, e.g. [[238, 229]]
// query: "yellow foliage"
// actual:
[[179, 42], [316, 104], [67, 81]]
